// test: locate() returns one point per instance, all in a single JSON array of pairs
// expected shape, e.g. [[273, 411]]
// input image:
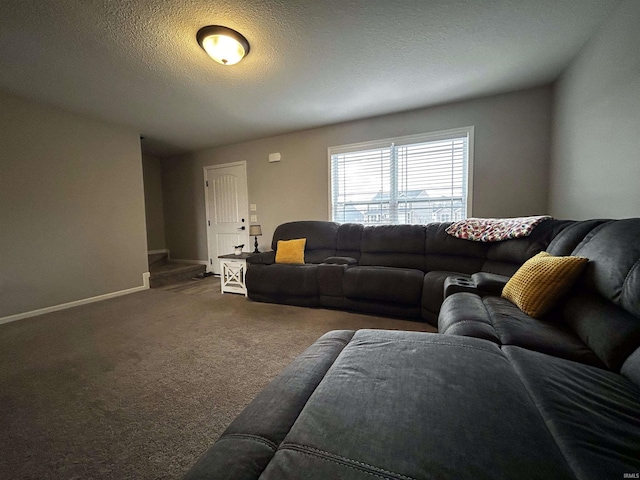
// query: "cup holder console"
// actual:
[[459, 283]]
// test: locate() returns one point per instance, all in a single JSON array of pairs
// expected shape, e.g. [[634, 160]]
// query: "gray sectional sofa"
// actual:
[[394, 270], [495, 395]]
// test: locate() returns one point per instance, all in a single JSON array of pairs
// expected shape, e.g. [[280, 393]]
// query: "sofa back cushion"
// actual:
[[504, 258], [605, 309], [321, 238], [614, 251], [447, 253], [349, 238], [566, 241], [393, 246]]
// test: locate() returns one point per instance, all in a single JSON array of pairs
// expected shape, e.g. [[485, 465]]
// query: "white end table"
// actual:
[[233, 270]]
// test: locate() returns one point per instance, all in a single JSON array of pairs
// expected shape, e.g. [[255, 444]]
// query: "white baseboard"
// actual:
[[64, 306], [191, 262]]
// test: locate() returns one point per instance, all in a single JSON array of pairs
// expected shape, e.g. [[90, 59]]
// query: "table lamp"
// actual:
[[255, 231]]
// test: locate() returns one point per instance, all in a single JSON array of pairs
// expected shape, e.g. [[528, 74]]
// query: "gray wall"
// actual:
[[153, 205], [511, 165], [72, 220], [596, 136]]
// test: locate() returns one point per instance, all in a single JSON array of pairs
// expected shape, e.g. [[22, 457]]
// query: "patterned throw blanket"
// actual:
[[494, 229]]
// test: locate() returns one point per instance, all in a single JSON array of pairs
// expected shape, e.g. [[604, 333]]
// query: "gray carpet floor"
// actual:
[[137, 387]]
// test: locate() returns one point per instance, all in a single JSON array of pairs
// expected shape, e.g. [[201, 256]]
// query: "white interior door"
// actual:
[[227, 210]]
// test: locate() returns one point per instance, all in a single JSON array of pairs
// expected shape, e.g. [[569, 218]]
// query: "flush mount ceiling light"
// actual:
[[224, 45]]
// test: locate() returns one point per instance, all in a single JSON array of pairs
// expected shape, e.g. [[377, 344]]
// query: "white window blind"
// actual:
[[408, 180]]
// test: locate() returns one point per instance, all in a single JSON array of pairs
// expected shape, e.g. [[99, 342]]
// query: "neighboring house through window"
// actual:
[[407, 180]]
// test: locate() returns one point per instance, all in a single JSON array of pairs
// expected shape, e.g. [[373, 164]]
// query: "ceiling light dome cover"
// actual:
[[224, 45]]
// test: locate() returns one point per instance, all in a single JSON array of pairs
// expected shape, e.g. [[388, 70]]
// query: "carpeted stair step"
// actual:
[[169, 273], [154, 259]]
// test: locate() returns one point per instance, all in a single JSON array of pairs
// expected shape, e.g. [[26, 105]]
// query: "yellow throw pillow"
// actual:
[[291, 251], [541, 281]]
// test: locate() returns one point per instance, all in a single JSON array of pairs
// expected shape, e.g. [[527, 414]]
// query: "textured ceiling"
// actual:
[[312, 62]]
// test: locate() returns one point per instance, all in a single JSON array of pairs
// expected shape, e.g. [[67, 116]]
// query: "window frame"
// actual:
[[469, 131]]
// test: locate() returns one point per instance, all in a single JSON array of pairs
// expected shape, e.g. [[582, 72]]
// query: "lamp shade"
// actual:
[[224, 45], [255, 230]]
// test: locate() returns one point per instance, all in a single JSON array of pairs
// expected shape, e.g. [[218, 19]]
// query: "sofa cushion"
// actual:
[[541, 281], [614, 272], [610, 331], [383, 284], [321, 238], [505, 257], [551, 337], [400, 246], [446, 253], [591, 413], [245, 448], [348, 241], [499, 320], [605, 308], [408, 405], [570, 237]]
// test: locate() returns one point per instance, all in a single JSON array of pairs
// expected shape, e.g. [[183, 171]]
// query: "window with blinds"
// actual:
[[408, 180]]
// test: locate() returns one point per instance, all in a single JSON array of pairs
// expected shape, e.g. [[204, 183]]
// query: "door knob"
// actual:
[[242, 228]]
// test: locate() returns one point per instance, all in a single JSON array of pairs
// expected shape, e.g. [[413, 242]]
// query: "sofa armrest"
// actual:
[[489, 283], [340, 261], [264, 258], [465, 314]]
